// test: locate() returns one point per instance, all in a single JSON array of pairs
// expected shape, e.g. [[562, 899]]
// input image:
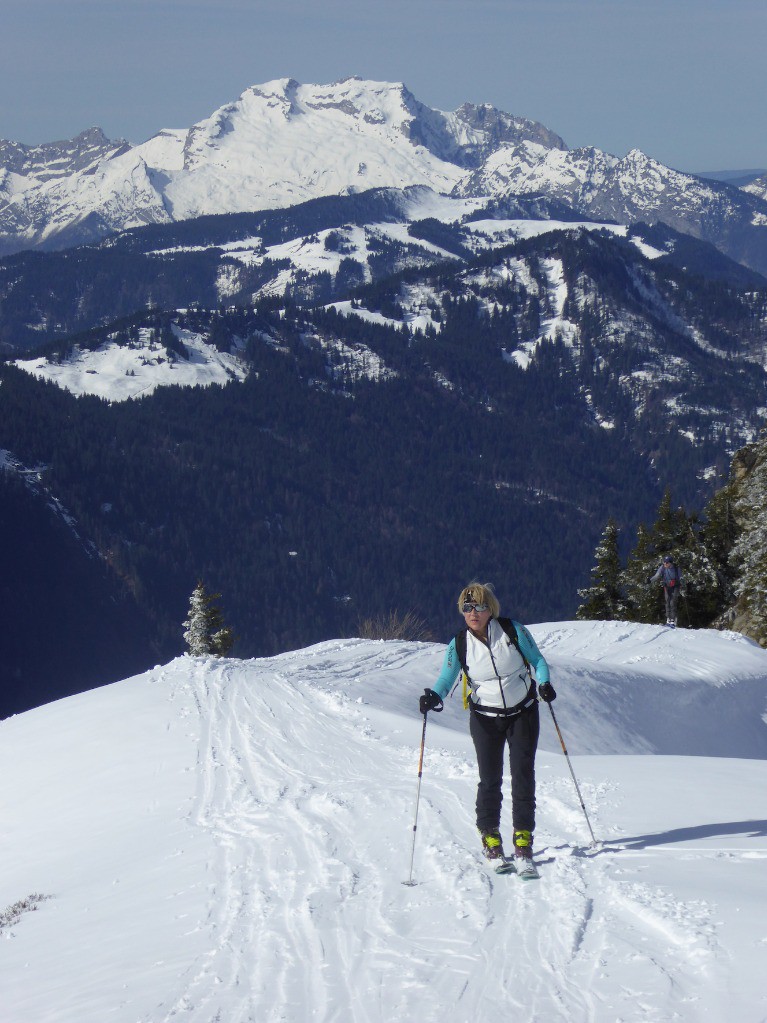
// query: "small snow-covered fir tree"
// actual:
[[604, 599], [204, 631]]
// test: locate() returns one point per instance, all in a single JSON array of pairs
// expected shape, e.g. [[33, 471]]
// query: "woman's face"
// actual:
[[476, 616]]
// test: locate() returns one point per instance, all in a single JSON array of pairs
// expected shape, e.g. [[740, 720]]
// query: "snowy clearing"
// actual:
[[118, 372]]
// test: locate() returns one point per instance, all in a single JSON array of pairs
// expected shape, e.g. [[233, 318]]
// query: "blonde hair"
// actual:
[[480, 593]]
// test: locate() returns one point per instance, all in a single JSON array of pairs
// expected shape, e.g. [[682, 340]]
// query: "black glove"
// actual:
[[430, 701], [649, 579], [547, 692]]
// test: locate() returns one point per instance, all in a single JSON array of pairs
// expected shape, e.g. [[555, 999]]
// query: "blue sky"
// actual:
[[682, 80]]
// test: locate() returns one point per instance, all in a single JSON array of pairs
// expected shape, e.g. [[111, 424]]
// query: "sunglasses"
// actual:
[[467, 608]]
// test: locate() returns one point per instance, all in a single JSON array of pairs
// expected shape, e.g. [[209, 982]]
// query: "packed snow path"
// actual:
[[293, 834]]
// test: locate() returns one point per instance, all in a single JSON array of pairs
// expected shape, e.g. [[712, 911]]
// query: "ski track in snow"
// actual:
[[309, 920]]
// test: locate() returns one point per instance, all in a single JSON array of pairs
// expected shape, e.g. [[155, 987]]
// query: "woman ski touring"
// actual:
[[501, 665]]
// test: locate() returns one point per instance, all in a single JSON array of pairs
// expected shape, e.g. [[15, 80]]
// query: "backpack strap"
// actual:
[[510, 629], [460, 648]]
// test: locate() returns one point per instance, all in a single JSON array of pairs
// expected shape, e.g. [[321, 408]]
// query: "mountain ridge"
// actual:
[[281, 143], [555, 382]]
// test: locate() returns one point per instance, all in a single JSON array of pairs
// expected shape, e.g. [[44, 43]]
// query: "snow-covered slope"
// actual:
[[325, 251], [589, 178], [228, 840], [634, 188]]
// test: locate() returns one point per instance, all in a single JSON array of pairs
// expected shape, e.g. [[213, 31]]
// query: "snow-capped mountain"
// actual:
[[283, 143], [278, 144], [228, 840], [589, 179]]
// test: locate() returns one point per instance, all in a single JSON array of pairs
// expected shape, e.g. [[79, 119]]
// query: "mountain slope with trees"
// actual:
[[481, 417], [69, 621]]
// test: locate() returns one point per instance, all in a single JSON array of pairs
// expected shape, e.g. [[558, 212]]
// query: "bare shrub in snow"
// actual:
[[394, 625]]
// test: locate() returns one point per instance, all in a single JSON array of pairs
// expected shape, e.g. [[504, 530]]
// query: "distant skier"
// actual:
[[668, 573], [501, 664]]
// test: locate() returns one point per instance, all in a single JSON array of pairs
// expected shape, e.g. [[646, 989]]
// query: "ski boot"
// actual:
[[492, 844], [492, 847], [523, 855]]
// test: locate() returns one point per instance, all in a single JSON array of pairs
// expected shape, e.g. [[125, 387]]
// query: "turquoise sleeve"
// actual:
[[449, 672], [529, 648]]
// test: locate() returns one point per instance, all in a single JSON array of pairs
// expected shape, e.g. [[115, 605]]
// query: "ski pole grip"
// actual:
[[430, 701]]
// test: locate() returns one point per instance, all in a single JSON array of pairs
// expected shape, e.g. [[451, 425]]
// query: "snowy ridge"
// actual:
[[323, 267], [227, 840], [324, 251]]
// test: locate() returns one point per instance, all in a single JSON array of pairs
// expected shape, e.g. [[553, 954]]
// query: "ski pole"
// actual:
[[687, 610], [572, 773], [411, 882]]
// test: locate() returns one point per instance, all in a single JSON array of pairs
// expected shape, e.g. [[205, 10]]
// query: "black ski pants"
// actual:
[[490, 735]]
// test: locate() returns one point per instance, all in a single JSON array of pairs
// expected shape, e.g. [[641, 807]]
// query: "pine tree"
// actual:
[[705, 587], [720, 532], [604, 599], [204, 631], [670, 530], [749, 555], [644, 603]]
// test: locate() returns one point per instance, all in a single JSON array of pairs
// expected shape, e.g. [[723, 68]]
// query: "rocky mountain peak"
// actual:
[[59, 159], [500, 128]]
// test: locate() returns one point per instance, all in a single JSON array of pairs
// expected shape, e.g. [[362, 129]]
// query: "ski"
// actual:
[[506, 866], [527, 871]]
